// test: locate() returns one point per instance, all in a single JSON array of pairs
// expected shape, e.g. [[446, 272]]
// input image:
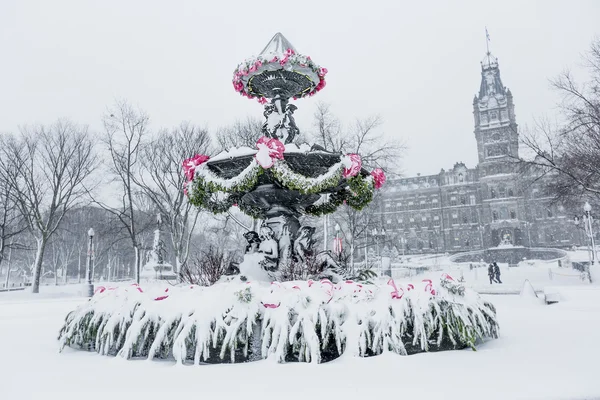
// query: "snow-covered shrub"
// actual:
[[311, 321], [206, 267]]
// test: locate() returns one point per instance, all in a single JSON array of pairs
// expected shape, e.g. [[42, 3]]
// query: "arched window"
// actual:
[[495, 215], [460, 177], [501, 192], [492, 193], [511, 193], [513, 214]]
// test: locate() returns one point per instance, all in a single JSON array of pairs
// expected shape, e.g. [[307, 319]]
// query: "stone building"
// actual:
[[492, 204]]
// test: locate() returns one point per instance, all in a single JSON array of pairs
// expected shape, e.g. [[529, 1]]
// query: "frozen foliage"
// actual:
[[311, 321]]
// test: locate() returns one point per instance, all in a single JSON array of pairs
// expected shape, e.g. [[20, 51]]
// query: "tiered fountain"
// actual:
[[280, 181]]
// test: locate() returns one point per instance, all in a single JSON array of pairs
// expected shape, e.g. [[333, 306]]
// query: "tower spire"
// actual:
[[487, 41]]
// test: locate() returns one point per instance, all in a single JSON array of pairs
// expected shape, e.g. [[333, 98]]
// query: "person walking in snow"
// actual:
[[491, 273], [497, 272]]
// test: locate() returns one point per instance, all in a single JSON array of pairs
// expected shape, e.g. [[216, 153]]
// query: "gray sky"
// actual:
[[414, 63]]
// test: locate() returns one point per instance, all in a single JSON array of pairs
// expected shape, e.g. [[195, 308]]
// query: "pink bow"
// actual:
[[355, 165], [378, 177], [268, 151], [395, 294], [190, 164]]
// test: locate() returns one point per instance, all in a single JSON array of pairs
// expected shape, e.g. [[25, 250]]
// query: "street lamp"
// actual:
[[88, 269], [587, 225], [338, 242]]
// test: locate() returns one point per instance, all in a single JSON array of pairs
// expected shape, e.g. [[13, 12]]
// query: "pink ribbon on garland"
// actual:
[[429, 286], [446, 276], [270, 305], [395, 294], [268, 151]]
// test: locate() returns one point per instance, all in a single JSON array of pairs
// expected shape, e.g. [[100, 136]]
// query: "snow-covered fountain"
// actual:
[[286, 300]]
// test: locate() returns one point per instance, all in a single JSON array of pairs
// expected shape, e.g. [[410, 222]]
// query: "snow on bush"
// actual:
[[310, 321]]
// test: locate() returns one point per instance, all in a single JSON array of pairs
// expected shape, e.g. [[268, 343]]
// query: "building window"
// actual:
[[424, 219], [492, 193], [434, 201], [463, 200], [495, 215], [511, 193], [513, 214], [549, 212], [411, 220], [474, 216], [472, 200], [452, 200], [504, 213], [454, 219], [465, 219], [501, 191], [539, 213], [398, 205], [460, 177], [387, 205], [389, 221]]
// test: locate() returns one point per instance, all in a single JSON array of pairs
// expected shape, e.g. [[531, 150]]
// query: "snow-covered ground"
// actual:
[[544, 352], [539, 273]]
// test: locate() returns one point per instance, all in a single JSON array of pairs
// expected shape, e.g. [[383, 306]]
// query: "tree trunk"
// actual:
[[8, 266], [37, 268], [79, 267], [352, 255], [138, 262]]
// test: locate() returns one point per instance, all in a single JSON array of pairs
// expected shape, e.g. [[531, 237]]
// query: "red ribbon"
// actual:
[[446, 276], [395, 294], [271, 305]]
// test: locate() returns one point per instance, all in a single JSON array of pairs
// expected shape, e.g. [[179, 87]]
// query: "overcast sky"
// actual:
[[417, 64]]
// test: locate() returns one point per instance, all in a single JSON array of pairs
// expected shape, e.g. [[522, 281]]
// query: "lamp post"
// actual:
[[588, 228], [88, 269], [338, 245], [403, 242], [378, 235]]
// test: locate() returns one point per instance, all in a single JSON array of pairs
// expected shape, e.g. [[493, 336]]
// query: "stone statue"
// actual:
[[253, 242], [304, 243], [270, 248], [280, 121]]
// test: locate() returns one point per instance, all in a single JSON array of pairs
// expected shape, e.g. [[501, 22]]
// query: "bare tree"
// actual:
[[363, 137], [376, 150], [161, 179], [241, 133], [47, 168], [125, 130], [569, 152], [11, 222]]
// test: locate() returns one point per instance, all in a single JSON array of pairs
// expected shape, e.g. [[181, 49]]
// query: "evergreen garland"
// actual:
[[202, 193]]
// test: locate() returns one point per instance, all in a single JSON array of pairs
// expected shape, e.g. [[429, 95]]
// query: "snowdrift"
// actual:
[[307, 321]]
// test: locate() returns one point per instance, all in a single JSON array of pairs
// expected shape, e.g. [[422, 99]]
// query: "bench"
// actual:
[[551, 296]]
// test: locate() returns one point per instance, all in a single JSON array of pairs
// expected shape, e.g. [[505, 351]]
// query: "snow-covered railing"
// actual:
[[313, 321]]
